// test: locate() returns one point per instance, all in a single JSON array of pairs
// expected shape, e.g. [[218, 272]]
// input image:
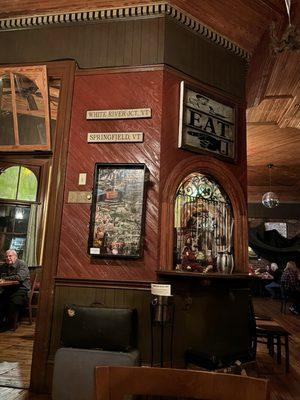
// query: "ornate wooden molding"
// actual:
[[136, 285], [142, 11]]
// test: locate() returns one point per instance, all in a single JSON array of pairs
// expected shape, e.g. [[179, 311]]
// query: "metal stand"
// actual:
[[162, 317]]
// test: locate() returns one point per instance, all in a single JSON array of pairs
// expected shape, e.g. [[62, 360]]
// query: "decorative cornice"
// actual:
[[149, 10]]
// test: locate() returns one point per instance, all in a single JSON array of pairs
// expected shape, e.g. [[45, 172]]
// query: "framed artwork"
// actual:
[[206, 124], [117, 212]]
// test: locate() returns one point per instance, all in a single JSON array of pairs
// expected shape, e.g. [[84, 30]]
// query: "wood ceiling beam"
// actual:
[[260, 70], [271, 6]]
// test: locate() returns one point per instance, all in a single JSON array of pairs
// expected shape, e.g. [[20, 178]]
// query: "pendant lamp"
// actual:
[[270, 199]]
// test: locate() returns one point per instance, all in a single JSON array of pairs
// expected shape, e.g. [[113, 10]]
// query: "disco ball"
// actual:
[[270, 200]]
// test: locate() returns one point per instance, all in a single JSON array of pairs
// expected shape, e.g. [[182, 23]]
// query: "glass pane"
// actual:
[[21, 219], [6, 116], [203, 226], [30, 111], [18, 243], [9, 182], [27, 185], [13, 242], [6, 218]]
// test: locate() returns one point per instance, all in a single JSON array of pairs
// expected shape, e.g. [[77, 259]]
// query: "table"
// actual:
[[8, 283]]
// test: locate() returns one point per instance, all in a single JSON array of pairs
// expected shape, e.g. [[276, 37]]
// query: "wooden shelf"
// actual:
[[183, 281], [198, 275]]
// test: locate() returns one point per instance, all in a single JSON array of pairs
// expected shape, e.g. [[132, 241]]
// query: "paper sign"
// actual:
[[158, 289], [127, 113], [94, 250]]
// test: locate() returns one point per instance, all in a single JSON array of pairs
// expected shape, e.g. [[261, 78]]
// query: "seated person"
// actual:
[[13, 297], [290, 285], [274, 274]]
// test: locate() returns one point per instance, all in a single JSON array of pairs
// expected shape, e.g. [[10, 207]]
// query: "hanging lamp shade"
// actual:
[[270, 199]]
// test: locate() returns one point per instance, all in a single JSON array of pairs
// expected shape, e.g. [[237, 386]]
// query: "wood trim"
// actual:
[[178, 275], [14, 110], [38, 74], [224, 176], [118, 70], [160, 9], [137, 285], [66, 71]]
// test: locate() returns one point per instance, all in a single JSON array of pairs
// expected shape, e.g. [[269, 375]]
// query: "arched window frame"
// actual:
[[13, 207], [203, 224], [232, 187]]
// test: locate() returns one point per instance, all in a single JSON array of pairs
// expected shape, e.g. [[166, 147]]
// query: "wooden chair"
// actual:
[[32, 302], [34, 291], [271, 333], [112, 383]]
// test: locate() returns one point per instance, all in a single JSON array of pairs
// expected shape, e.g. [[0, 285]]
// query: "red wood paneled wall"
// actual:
[[111, 91], [158, 90]]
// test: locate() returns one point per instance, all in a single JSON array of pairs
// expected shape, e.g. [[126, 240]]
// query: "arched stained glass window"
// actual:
[[203, 223], [18, 183]]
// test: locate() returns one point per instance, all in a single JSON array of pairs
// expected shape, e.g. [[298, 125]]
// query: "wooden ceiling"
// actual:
[[273, 88]]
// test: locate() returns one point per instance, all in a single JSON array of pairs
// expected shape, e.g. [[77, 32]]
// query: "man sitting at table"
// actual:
[[13, 297], [274, 274]]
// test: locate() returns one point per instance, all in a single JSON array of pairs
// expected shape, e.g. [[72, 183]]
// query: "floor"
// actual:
[[16, 350], [283, 386], [15, 362]]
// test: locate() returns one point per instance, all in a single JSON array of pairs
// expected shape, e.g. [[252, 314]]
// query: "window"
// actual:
[[280, 227], [18, 191], [24, 109], [203, 226]]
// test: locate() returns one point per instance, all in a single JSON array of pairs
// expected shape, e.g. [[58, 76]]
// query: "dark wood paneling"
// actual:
[[103, 44], [192, 316], [129, 42], [111, 91], [190, 53], [283, 211], [240, 20], [64, 71]]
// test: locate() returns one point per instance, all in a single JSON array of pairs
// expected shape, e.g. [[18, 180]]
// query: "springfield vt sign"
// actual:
[[115, 137], [206, 124]]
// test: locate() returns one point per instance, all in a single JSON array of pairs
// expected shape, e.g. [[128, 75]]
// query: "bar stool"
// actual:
[[271, 334]]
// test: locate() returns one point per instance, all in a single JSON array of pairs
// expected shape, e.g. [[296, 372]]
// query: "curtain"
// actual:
[[274, 247], [29, 255]]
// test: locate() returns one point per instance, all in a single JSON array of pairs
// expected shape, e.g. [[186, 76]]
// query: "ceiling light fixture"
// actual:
[[270, 199]]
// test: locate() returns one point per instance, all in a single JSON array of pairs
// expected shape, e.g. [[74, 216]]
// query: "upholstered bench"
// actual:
[[91, 336]]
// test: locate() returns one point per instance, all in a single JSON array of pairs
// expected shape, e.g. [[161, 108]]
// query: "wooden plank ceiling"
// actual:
[[273, 89]]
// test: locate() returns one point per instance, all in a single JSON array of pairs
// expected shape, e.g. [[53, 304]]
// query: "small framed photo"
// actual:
[[117, 213], [207, 124]]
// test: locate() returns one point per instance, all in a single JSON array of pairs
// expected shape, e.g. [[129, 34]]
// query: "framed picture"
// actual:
[[117, 212], [206, 124]]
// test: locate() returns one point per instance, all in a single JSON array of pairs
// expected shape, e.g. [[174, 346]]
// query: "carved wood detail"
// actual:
[[113, 13]]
